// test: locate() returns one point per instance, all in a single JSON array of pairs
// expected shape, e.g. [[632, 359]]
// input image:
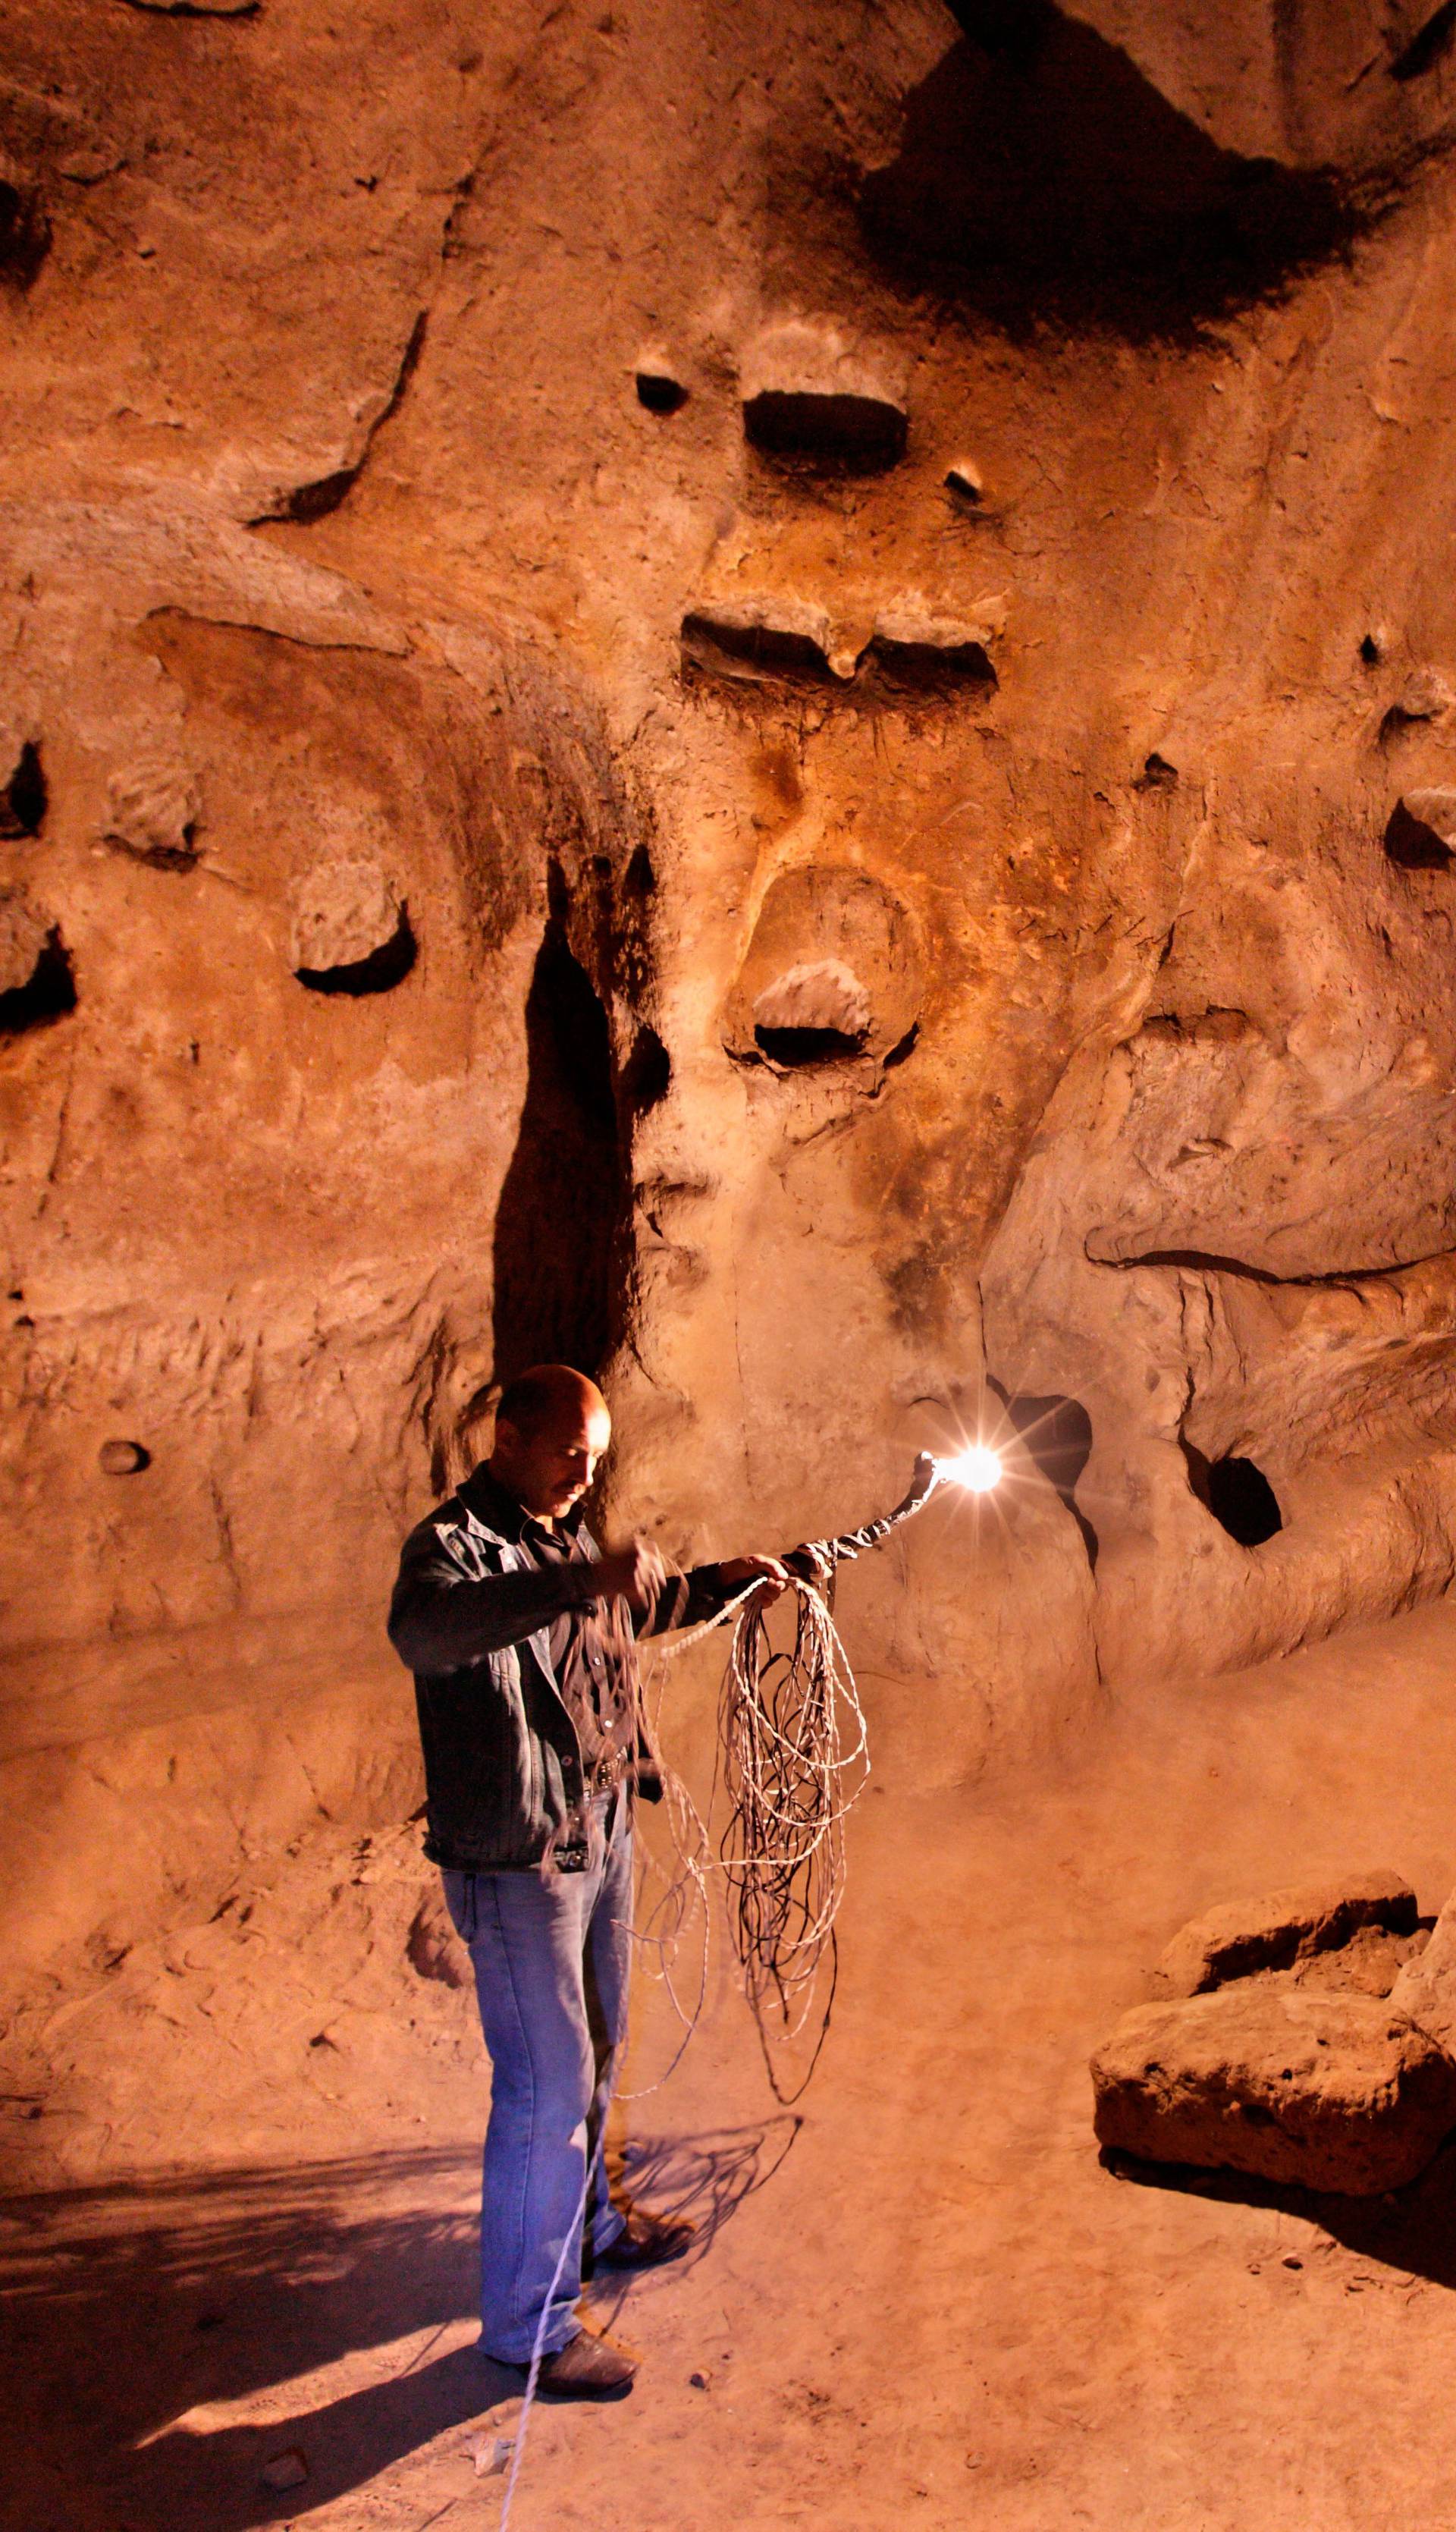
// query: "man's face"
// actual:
[[551, 1469]]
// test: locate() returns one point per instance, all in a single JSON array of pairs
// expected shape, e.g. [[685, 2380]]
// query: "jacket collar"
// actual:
[[501, 1510]]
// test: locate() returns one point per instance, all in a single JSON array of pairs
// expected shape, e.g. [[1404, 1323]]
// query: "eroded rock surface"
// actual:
[[766, 705], [1333, 2092], [1304, 2036], [1287, 1931]]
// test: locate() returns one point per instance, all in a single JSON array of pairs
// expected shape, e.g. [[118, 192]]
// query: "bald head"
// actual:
[[551, 1428]]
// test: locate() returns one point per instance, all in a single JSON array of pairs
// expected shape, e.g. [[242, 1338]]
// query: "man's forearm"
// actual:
[[684, 1600], [437, 1624]]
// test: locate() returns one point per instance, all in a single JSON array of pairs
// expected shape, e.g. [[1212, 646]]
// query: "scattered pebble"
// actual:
[[286, 2469], [490, 2454], [1292, 2260], [698, 2382]]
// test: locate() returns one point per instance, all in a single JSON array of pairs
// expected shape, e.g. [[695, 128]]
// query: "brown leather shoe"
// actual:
[[646, 2242], [587, 2368]]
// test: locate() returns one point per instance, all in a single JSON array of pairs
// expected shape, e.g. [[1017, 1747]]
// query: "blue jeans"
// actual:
[[551, 1953]]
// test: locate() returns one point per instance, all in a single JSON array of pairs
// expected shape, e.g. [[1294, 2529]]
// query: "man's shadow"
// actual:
[[703, 2179], [1412, 2230], [131, 2305]]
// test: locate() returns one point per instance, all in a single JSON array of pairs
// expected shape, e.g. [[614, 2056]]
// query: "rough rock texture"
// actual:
[[1337, 2093], [1283, 1931], [1288, 2039], [761, 697], [1426, 1989]]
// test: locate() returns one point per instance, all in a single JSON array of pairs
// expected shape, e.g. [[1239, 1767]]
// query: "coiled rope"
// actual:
[[793, 1760]]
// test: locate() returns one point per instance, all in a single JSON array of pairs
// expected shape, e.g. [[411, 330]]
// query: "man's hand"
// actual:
[[771, 1570], [635, 1574]]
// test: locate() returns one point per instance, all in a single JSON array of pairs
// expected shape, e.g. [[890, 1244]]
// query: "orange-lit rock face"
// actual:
[[641, 720]]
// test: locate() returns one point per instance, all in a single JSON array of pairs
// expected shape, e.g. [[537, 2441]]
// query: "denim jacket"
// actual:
[[471, 1617]]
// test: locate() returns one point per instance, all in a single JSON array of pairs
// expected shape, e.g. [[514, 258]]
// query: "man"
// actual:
[[520, 1633]]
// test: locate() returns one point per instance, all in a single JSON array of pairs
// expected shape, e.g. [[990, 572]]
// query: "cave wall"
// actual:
[[762, 696]]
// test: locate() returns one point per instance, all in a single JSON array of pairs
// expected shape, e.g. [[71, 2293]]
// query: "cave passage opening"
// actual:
[[835, 433], [1236, 1492]]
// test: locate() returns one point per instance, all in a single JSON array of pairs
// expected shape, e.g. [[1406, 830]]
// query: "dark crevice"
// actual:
[[659, 393], [309, 501], [924, 668], [1408, 716], [1219, 1025], [888, 671], [48, 995], [1430, 46], [1157, 775], [760, 654], [1057, 1433], [1042, 181], [23, 802], [564, 1203], [640, 878], [196, 8], [1200, 1261], [25, 235], [1413, 845], [123, 1459], [795, 1048], [647, 1075], [839, 434], [902, 1047], [1237, 1493], [961, 485], [384, 967], [1371, 652], [167, 857]]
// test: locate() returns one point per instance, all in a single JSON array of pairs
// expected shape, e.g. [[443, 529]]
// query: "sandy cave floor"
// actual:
[[926, 2304]]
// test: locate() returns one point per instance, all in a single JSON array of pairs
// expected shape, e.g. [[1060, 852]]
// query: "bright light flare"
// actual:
[[978, 1469]]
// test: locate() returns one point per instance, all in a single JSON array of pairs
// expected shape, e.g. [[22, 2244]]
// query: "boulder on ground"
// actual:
[[1331, 2091], [1281, 1930]]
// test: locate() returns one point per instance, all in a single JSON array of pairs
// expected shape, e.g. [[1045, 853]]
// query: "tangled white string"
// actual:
[[793, 1760]]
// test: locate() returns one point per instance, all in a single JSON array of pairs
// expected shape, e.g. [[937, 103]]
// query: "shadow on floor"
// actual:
[[132, 2304], [706, 2177], [1410, 2229]]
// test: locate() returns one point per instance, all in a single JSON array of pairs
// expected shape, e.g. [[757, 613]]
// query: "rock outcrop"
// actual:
[[1306, 2038], [1333, 2092], [1288, 1930]]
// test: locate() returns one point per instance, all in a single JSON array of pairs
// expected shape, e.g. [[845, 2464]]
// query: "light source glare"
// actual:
[[980, 1469]]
